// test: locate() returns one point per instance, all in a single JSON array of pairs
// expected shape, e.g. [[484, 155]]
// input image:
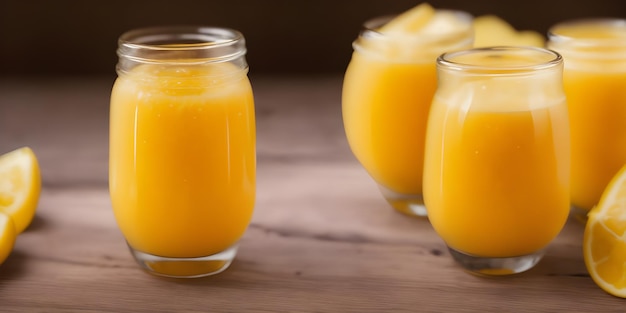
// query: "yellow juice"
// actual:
[[385, 109], [387, 91], [497, 160], [503, 190], [597, 108], [182, 158], [594, 80]]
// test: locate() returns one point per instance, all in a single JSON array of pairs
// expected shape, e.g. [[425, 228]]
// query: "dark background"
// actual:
[[285, 37]]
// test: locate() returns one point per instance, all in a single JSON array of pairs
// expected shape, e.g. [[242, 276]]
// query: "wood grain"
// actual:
[[322, 238]]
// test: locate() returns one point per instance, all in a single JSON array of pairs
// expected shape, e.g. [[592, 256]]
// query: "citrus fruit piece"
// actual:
[[410, 21], [604, 241], [7, 236], [20, 185], [491, 30]]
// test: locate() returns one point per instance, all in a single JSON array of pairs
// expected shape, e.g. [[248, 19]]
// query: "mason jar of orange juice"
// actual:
[[387, 92], [182, 148], [594, 51], [497, 161]]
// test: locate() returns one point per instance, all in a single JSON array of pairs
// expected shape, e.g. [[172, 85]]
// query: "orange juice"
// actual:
[[385, 119], [387, 91], [597, 106], [594, 80], [182, 158], [496, 175], [503, 189]]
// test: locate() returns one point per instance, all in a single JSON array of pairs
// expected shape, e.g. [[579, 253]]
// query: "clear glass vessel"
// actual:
[[182, 148], [594, 51], [387, 91], [497, 162]]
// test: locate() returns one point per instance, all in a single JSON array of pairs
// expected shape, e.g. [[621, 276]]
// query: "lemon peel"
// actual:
[[20, 186], [7, 236], [604, 241]]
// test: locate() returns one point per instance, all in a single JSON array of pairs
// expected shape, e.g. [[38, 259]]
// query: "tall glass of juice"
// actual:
[[594, 78], [497, 162], [182, 160], [387, 93]]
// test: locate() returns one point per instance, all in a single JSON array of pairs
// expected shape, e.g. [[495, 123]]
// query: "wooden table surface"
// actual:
[[322, 238]]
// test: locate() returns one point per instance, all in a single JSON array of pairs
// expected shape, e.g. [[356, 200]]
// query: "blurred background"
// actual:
[[57, 66], [285, 37]]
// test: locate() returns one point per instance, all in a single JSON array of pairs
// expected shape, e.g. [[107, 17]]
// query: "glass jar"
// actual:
[[497, 163], [182, 148], [387, 91], [594, 79]]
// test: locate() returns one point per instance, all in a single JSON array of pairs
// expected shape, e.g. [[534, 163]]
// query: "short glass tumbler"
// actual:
[[182, 148], [497, 162], [387, 91]]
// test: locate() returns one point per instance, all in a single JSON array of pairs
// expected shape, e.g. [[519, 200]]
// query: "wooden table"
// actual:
[[322, 238]]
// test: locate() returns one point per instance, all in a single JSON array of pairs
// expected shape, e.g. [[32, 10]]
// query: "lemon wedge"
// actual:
[[604, 242], [7, 236], [410, 21], [491, 30], [20, 185]]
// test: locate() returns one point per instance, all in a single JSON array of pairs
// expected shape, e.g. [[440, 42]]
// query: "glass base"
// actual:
[[579, 214], [185, 267], [412, 205], [496, 266]]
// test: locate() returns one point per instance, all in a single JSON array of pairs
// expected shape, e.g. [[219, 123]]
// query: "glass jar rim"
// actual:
[[165, 43], [557, 38], [545, 59]]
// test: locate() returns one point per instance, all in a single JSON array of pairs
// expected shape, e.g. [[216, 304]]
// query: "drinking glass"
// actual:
[[594, 78], [182, 148], [497, 163], [387, 92]]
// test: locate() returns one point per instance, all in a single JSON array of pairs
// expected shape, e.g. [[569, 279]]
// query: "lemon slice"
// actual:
[[20, 185], [604, 243], [491, 30], [7, 236], [410, 21]]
